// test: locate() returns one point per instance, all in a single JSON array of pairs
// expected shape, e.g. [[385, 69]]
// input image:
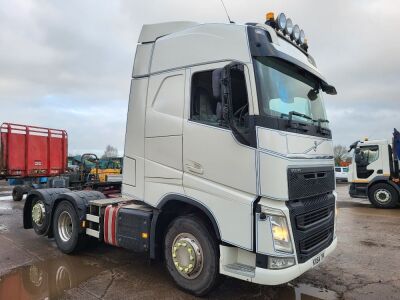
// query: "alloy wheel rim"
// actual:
[[65, 226], [187, 255], [38, 213], [383, 196]]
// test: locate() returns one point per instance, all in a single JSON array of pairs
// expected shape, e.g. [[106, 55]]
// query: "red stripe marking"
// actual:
[[106, 225], [114, 219]]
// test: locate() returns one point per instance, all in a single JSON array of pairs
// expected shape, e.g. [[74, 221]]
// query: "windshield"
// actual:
[[285, 89]]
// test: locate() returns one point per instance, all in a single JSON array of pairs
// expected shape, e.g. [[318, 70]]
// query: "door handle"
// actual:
[[194, 167]]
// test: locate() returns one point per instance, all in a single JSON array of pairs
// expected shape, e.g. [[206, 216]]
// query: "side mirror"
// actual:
[[312, 94], [329, 89]]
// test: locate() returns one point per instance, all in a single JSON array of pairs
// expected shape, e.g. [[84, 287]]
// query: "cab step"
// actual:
[[240, 269]]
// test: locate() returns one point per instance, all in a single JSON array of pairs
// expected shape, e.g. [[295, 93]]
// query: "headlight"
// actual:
[[280, 230], [280, 234]]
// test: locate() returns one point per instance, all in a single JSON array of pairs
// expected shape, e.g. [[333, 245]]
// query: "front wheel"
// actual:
[[66, 228], [191, 255], [383, 195]]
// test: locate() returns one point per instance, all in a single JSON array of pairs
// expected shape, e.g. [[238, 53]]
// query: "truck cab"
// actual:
[[374, 172], [229, 121], [228, 163]]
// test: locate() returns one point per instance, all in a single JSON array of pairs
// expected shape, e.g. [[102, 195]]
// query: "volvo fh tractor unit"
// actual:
[[228, 165]]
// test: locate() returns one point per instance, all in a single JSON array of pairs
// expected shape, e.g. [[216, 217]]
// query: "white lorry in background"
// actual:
[[341, 173], [374, 172], [228, 165]]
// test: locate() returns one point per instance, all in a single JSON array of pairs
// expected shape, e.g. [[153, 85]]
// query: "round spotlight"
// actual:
[[281, 21], [296, 33], [289, 27], [302, 37]]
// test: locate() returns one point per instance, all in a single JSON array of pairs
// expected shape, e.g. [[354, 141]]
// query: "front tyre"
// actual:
[[66, 228], [191, 255], [383, 195]]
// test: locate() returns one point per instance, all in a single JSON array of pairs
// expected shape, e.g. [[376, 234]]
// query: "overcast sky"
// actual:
[[67, 64]]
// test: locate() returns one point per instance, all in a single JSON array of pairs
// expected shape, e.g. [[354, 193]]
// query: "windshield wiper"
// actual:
[[299, 125], [320, 128], [295, 113]]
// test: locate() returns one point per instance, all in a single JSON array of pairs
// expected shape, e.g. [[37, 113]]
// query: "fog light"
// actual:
[[280, 262]]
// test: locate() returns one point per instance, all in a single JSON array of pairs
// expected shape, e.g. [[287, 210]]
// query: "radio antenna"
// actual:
[[226, 11]]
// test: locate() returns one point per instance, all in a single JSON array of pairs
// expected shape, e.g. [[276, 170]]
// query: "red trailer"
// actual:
[[30, 151], [29, 154]]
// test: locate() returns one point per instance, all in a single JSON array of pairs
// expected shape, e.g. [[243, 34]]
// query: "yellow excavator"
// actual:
[[89, 168], [106, 167]]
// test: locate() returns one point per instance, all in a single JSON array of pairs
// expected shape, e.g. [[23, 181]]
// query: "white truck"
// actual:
[[228, 165], [374, 172]]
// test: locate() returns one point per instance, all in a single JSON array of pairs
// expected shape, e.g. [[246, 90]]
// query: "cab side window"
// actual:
[[206, 103], [205, 107]]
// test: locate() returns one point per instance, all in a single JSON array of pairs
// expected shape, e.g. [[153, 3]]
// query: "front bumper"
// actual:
[[275, 277]]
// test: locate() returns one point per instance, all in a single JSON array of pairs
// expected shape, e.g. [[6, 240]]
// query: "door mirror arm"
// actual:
[[227, 106]]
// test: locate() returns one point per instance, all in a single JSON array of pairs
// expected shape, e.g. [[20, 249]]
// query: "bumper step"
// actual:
[[240, 269]]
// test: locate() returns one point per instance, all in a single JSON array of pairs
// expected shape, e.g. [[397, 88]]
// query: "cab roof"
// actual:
[[151, 32]]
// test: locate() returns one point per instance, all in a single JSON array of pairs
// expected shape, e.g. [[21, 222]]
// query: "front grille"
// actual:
[[310, 243], [313, 221], [307, 220], [311, 181]]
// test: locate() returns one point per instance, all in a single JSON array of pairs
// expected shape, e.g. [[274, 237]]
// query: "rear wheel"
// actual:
[[383, 195], [66, 228], [191, 255], [18, 193]]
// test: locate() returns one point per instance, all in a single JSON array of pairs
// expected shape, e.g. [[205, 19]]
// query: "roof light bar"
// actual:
[[287, 28]]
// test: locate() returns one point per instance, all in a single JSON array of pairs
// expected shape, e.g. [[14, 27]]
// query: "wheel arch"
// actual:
[[79, 200], [170, 207], [382, 179]]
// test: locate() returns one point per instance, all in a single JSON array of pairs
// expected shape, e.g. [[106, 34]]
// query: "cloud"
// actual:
[[67, 64]]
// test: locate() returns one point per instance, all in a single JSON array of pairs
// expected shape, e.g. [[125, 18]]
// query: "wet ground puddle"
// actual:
[[46, 279], [52, 278]]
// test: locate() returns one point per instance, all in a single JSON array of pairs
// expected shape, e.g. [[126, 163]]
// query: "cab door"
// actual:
[[219, 170], [368, 162]]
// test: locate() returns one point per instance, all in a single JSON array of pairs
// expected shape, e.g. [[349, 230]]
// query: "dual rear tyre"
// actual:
[[66, 228]]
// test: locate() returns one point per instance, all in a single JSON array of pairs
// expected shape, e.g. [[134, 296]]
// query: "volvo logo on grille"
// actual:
[[315, 146]]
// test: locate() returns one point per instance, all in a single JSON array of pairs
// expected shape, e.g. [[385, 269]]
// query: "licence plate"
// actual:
[[318, 259]]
